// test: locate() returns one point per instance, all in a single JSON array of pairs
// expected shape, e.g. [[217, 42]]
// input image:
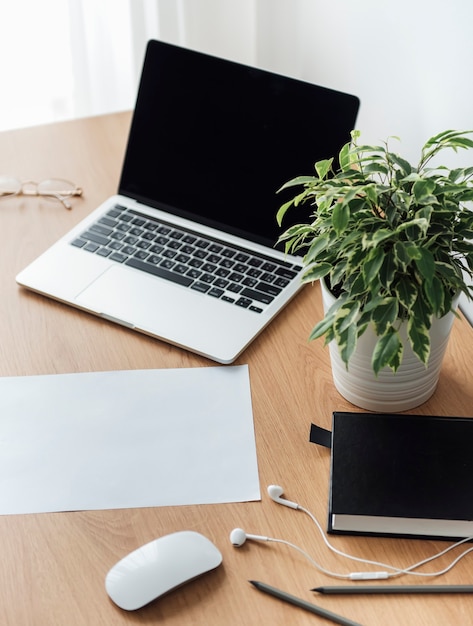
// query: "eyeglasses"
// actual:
[[52, 189]]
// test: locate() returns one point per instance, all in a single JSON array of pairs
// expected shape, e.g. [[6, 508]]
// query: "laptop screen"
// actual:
[[213, 140]]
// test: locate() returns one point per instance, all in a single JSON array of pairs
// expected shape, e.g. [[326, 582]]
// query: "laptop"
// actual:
[[186, 251]]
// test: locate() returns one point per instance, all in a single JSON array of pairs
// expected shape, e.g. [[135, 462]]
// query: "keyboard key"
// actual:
[[151, 226], [215, 292], [161, 240], [108, 222], [157, 270], [257, 295], [236, 278], [286, 272], [229, 253], [183, 258], [234, 288], [193, 273], [254, 273], [221, 271], [126, 217], [269, 289], [221, 283], [281, 282], [101, 229], [213, 258], [169, 254], [115, 212], [143, 244], [91, 247], [215, 248], [203, 288], [123, 227], [243, 302], [117, 236], [95, 237], [207, 278], [118, 256], [254, 262], [174, 245], [268, 267], [167, 264], [156, 249]]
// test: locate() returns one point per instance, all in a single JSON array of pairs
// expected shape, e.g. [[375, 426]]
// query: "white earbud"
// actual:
[[275, 492], [238, 537]]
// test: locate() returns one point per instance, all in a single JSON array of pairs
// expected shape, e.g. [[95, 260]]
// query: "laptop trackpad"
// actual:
[[165, 310]]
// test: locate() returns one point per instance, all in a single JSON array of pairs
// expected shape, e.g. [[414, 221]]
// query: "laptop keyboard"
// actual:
[[184, 257]]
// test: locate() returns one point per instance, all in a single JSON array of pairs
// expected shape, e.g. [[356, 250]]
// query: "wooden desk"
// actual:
[[52, 566]]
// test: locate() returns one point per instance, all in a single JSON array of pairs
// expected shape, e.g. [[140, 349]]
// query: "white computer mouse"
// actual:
[[160, 566]]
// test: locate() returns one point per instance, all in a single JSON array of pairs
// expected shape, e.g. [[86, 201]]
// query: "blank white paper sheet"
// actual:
[[125, 439]]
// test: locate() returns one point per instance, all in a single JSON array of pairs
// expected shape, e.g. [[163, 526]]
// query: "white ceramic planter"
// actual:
[[389, 392]]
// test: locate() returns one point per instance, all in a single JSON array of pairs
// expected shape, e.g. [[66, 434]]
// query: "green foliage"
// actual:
[[395, 240]]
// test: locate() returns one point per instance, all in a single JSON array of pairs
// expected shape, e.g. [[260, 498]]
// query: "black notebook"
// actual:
[[401, 475]]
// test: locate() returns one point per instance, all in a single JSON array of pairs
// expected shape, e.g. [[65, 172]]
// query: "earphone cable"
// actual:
[[395, 571]]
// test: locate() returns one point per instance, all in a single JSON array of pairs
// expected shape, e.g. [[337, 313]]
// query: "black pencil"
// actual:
[[303, 604], [374, 589]]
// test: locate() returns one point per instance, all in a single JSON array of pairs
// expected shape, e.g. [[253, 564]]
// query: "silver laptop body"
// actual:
[[186, 251]]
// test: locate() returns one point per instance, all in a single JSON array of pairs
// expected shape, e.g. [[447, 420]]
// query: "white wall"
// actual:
[[410, 61]]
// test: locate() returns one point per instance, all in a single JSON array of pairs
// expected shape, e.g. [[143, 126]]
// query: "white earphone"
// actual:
[[275, 492], [238, 537]]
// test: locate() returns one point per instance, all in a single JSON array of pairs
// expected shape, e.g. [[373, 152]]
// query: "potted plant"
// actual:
[[393, 245]]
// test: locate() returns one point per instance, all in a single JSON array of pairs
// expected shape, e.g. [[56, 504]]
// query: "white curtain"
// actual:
[[409, 62]]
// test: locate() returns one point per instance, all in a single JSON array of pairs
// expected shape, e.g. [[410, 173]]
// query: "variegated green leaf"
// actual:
[[420, 340], [385, 315], [426, 264], [320, 270], [406, 292], [387, 352], [323, 167], [346, 316], [435, 294], [372, 265], [340, 217], [321, 328]]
